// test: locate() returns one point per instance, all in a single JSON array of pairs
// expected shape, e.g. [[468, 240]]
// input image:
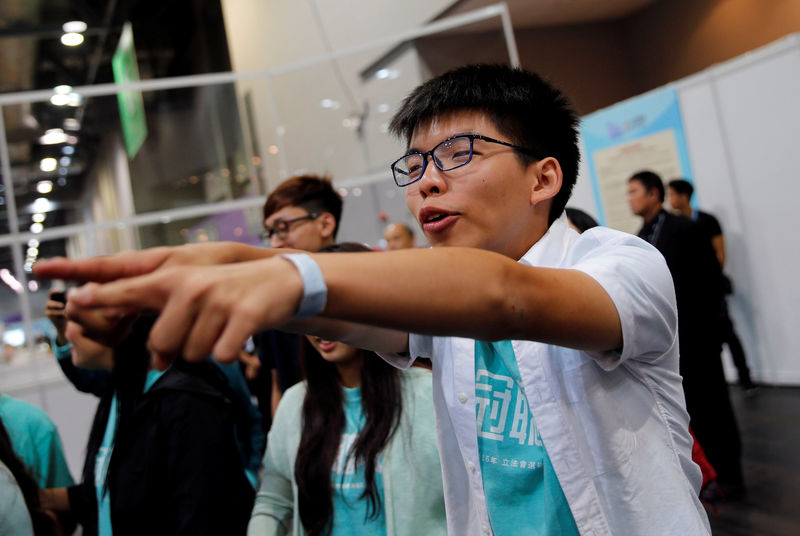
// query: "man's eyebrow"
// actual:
[[465, 133]]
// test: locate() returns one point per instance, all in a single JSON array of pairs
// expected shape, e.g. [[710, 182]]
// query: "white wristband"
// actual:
[[315, 292]]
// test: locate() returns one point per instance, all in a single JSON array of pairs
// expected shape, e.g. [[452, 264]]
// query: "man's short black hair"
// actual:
[[314, 193], [650, 181], [525, 108], [682, 187]]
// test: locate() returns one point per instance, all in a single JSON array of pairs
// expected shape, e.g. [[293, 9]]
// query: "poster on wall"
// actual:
[[643, 133]]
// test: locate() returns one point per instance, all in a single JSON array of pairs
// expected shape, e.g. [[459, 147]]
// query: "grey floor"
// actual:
[[770, 427]]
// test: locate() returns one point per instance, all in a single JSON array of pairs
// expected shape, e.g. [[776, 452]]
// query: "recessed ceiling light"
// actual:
[[37, 228], [74, 26], [48, 164], [71, 39], [59, 100], [44, 187], [54, 136], [42, 204]]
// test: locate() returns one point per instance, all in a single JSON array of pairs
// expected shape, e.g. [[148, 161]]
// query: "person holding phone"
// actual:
[[86, 380]]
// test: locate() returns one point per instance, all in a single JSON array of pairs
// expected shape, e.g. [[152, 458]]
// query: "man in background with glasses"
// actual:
[[302, 213], [561, 347]]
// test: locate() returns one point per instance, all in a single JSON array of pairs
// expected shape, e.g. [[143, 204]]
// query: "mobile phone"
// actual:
[[59, 296]]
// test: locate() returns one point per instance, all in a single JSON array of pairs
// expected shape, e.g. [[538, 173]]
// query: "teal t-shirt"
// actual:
[[34, 438], [103, 458], [349, 509], [523, 495]]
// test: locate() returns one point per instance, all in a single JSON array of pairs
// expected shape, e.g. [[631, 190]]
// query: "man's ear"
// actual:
[[327, 224], [546, 180]]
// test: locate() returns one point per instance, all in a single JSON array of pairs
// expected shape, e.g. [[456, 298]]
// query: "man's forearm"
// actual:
[[470, 293]]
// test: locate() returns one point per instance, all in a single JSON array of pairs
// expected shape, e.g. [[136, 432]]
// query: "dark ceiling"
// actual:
[[172, 38]]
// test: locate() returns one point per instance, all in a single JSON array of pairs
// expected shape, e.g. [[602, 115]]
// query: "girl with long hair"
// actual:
[[352, 450]]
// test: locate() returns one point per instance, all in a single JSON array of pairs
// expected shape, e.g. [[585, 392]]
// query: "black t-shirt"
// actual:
[[708, 223]]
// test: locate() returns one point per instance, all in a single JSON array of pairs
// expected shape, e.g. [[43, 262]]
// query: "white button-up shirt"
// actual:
[[614, 424]]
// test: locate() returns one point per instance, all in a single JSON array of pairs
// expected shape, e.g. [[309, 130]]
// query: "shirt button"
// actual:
[[471, 467], [462, 398]]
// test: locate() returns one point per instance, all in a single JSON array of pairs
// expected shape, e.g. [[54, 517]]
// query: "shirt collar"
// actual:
[[551, 248]]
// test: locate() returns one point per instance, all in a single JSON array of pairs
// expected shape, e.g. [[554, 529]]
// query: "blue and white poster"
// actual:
[[643, 133]]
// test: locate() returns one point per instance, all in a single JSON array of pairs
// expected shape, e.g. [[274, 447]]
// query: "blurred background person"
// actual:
[[162, 455], [580, 220], [698, 290], [20, 511], [398, 235], [303, 212], [680, 199]]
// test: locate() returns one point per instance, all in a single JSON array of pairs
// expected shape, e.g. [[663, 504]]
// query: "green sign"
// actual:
[[131, 105]]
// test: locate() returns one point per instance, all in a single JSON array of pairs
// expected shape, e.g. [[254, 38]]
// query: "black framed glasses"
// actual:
[[450, 154], [282, 227]]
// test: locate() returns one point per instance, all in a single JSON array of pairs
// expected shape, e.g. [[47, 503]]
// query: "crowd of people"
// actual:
[[524, 375]]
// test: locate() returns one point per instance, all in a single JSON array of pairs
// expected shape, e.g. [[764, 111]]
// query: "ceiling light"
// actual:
[[33, 285], [38, 217], [329, 103], [54, 136], [59, 99], [61, 181], [48, 164], [74, 100], [74, 26], [67, 149], [64, 161], [44, 187], [42, 204], [33, 252], [37, 228], [63, 89], [383, 74], [71, 39], [33, 243], [71, 123]]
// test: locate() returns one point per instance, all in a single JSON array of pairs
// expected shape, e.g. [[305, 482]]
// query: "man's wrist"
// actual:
[[315, 292]]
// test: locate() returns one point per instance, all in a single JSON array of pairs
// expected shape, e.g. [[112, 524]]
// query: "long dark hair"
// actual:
[[42, 525], [323, 424]]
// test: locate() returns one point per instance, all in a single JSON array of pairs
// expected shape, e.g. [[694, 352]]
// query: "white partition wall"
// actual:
[[742, 125]]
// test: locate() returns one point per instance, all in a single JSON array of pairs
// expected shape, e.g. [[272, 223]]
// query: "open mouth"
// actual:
[[438, 217]]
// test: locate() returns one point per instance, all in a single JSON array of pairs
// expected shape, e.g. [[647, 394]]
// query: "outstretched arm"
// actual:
[[446, 291]]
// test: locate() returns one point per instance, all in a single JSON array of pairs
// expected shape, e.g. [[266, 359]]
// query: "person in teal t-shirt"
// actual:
[[35, 439], [352, 450]]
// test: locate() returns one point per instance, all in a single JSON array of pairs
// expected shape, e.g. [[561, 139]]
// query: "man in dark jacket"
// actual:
[[698, 289]]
